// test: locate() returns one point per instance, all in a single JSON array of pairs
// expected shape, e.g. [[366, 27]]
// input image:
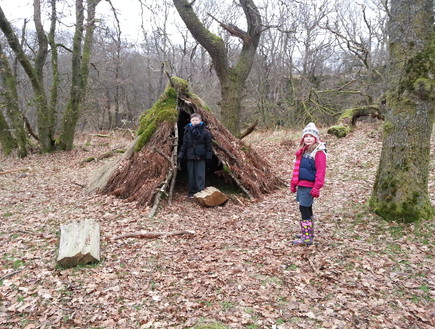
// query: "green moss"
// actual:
[[165, 109], [339, 131], [424, 86], [347, 114], [180, 85], [226, 169], [419, 72], [197, 100], [388, 127], [217, 38], [7, 141], [411, 210], [89, 159]]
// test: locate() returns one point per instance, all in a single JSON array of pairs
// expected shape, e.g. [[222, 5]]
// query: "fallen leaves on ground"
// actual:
[[239, 269]]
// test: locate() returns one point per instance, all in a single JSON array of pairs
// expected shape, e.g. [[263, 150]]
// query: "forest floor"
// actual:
[[238, 271]]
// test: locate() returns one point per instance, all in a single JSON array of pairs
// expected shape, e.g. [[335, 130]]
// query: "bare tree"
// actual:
[[9, 104], [232, 77], [80, 70], [46, 107], [360, 34], [34, 72]]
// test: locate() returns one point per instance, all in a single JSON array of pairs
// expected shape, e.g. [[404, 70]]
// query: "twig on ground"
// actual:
[[4, 277], [152, 235], [13, 170]]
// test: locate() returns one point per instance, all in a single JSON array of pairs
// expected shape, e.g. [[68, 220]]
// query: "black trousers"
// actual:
[[196, 172]]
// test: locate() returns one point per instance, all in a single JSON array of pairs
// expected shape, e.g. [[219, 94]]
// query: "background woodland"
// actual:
[[72, 78], [314, 60]]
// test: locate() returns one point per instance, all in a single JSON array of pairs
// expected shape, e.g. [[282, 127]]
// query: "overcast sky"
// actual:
[[128, 13]]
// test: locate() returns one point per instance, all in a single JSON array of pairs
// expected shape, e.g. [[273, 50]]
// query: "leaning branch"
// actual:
[[159, 193], [162, 154], [29, 127], [249, 130], [152, 235], [105, 155], [173, 163], [228, 153], [239, 184], [233, 30]]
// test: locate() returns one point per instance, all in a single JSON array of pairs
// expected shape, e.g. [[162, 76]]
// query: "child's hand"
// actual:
[[315, 193], [293, 188]]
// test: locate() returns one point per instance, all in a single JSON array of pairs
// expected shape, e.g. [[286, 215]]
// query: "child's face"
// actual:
[[195, 121], [309, 139]]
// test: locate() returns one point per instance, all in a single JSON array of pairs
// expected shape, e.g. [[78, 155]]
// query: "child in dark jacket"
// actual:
[[308, 178], [196, 149]]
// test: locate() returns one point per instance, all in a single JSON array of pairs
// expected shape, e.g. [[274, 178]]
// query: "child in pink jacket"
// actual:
[[308, 178]]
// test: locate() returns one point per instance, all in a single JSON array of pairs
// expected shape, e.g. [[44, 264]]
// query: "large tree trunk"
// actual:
[[54, 90], [231, 103], [80, 71], [9, 102], [401, 188], [44, 127], [7, 141], [232, 78], [46, 120]]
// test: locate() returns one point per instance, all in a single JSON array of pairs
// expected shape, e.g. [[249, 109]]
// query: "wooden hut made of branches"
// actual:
[[148, 169]]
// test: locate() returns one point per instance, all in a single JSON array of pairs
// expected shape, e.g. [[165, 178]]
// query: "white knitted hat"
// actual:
[[312, 130]]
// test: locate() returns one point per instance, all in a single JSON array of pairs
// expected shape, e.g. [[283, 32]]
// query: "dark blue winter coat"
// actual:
[[197, 143]]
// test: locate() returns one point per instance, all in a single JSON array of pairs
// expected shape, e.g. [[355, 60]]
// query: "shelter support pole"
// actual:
[[174, 163]]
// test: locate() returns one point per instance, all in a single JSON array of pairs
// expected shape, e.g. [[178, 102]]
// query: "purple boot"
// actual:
[[307, 233], [298, 236]]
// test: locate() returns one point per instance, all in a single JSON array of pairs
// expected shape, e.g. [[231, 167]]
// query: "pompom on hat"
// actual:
[[312, 130]]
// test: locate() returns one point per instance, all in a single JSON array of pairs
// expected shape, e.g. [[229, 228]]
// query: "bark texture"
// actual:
[[232, 78], [401, 188], [7, 141], [9, 107], [82, 47], [33, 72]]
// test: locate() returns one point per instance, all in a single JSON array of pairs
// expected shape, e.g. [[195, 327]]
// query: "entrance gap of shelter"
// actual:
[[214, 170]]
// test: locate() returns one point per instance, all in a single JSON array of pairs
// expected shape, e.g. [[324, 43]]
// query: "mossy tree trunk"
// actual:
[[232, 78], [7, 141], [80, 71], [46, 108], [34, 73], [54, 89], [46, 118], [401, 188], [9, 106]]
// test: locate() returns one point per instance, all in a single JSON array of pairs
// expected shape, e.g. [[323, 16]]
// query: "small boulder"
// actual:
[[210, 197]]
